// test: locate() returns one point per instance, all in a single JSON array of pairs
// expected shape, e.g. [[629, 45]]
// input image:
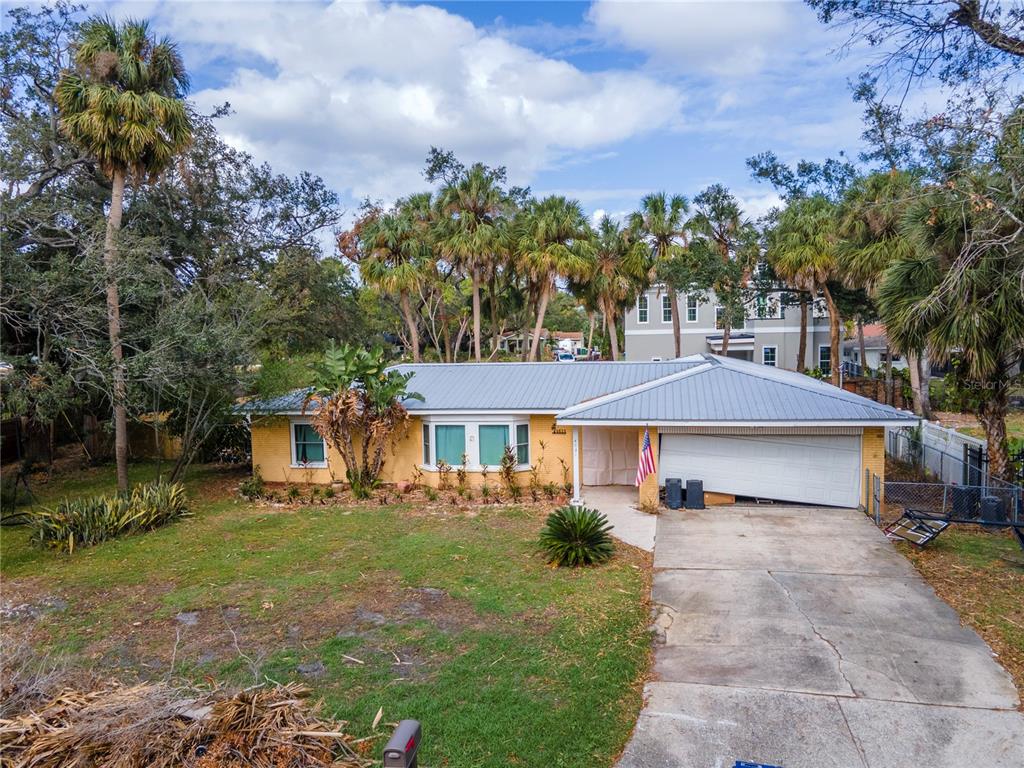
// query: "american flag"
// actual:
[[646, 459]]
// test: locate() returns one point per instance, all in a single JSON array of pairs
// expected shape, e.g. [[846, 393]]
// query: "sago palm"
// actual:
[[662, 219], [553, 241], [123, 104]]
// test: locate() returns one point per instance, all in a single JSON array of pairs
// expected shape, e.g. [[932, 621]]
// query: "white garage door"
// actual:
[[813, 469]]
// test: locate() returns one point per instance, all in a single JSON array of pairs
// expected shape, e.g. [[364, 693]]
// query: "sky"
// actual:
[[602, 101]]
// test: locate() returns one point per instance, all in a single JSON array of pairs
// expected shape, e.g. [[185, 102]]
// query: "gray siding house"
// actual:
[[770, 335]]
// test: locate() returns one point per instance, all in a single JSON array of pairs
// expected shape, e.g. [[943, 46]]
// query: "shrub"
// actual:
[[91, 520], [444, 470], [507, 471], [461, 475], [253, 488], [574, 536], [431, 493]]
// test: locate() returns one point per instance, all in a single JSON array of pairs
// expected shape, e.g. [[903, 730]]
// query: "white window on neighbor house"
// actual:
[[768, 355], [642, 308], [825, 359], [666, 309], [308, 448], [691, 309], [476, 442]]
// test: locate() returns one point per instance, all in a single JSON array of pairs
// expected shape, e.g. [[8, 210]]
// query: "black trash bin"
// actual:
[[964, 500], [673, 492], [992, 510], [695, 494]]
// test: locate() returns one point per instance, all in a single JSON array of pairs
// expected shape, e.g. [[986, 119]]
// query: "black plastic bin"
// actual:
[[673, 492], [695, 494], [992, 510]]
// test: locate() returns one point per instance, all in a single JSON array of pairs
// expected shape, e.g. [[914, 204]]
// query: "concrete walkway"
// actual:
[[801, 638], [618, 503]]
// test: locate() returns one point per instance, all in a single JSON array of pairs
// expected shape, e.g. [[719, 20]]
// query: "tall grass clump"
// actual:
[[574, 536], [87, 521]]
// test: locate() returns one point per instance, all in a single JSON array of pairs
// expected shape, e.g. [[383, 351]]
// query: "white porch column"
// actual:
[[577, 499]]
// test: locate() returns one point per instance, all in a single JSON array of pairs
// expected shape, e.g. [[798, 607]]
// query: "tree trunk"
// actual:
[[446, 331], [726, 332], [590, 335], [613, 333], [833, 332], [801, 353], [542, 307], [860, 344], [919, 384], [674, 300], [120, 378], [992, 415], [925, 367], [476, 313], [410, 321], [492, 289], [890, 396]]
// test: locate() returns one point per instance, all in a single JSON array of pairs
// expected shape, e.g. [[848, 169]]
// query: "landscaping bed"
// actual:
[[440, 612]]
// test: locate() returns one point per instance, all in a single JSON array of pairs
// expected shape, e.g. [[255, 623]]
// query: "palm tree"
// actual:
[[553, 241], [622, 264], [804, 249], [662, 219], [720, 221], [872, 239], [123, 104], [394, 254], [470, 235]]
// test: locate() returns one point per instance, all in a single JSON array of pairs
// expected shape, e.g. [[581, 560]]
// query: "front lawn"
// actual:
[[980, 574], [443, 614]]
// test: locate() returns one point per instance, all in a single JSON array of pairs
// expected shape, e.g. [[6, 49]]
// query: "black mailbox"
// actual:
[[401, 749]]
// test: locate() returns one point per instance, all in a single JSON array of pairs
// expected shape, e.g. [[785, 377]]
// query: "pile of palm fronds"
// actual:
[[165, 727], [90, 520]]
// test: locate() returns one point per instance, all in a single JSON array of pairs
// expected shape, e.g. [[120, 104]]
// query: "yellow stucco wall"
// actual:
[[872, 458], [271, 452]]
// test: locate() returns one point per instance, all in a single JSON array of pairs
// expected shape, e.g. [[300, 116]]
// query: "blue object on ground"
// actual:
[[742, 764]]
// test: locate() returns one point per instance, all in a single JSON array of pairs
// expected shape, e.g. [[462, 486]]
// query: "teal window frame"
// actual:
[[491, 459], [523, 443], [444, 434], [310, 438]]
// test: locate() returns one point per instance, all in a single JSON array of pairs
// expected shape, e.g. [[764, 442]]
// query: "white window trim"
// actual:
[[774, 348], [646, 309], [295, 463], [666, 306], [696, 310], [830, 362], [472, 423]]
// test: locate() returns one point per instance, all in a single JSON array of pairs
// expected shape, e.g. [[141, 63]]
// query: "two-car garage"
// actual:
[[807, 468]]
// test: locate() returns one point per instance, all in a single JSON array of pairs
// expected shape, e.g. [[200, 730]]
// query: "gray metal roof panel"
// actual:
[[736, 391]]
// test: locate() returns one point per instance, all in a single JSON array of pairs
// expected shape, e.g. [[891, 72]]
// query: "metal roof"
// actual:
[[727, 390], [526, 386], [698, 389]]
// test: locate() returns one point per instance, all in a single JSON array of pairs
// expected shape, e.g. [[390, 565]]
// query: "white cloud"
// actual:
[[718, 38], [358, 92]]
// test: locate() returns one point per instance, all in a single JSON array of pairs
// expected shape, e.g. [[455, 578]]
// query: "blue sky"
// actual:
[[602, 101]]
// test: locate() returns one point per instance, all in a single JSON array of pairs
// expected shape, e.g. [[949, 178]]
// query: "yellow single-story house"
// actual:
[[744, 430]]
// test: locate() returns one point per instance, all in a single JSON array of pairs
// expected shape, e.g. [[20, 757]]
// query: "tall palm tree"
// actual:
[[622, 265], [720, 221], [394, 254], [804, 248], [871, 240], [123, 104], [470, 235], [662, 219], [553, 241]]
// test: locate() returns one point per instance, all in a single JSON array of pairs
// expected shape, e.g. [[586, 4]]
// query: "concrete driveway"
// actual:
[[799, 637]]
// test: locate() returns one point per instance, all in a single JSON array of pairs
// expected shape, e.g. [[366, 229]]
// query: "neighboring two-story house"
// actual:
[[770, 335]]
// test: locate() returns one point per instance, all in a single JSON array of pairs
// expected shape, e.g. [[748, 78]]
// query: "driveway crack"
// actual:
[[814, 629]]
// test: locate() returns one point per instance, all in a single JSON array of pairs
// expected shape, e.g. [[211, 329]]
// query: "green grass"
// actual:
[[981, 574], [1014, 428], [513, 663]]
